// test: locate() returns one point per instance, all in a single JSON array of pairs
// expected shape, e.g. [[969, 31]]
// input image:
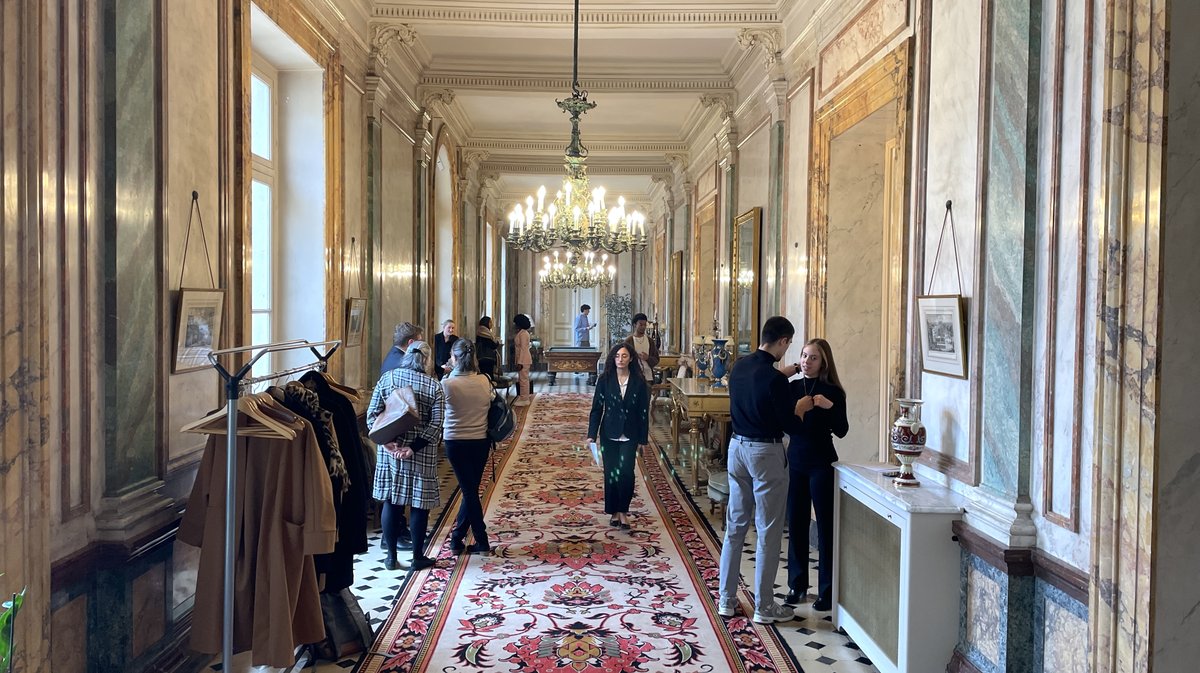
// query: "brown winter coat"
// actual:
[[284, 515]]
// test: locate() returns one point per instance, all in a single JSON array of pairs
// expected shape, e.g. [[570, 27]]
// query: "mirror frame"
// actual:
[[675, 302], [753, 218]]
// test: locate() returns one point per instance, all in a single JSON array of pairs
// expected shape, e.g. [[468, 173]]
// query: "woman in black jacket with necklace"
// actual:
[[822, 410], [620, 419]]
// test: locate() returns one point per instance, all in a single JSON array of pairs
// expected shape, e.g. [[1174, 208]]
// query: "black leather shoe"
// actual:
[[457, 546], [614, 522], [479, 548], [390, 563], [822, 605], [421, 563], [404, 545], [794, 597]]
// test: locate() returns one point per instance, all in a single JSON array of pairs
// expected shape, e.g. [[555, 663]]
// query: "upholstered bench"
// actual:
[[718, 494]]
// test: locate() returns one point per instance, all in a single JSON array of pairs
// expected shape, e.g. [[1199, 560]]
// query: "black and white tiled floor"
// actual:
[[811, 636]]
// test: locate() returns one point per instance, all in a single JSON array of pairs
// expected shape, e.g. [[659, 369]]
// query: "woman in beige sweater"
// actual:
[[468, 395]]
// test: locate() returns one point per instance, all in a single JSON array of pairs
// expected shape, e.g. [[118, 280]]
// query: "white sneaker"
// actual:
[[726, 607], [774, 613]]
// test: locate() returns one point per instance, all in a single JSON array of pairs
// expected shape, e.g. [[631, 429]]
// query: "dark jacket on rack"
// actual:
[[284, 516], [613, 416]]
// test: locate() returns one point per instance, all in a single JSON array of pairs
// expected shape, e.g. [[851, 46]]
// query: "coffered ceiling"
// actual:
[[645, 64]]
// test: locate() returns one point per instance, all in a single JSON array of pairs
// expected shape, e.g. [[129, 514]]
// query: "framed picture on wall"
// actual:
[[356, 317], [943, 348], [199, 328]]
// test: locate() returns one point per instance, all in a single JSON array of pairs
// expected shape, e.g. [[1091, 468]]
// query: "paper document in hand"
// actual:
[[595, 448]]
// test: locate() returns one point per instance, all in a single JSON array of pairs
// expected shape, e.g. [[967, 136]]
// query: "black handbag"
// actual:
[[500, 420]]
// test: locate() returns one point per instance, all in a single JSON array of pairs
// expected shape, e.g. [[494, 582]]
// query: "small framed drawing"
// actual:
[[943, 350], [199, 329], [356, 316]]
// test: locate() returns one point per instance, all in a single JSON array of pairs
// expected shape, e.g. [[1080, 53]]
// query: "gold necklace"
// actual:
[[804, 384]]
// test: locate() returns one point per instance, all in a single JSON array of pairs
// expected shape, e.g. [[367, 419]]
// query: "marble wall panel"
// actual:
[[794, 275], [69, 636], [1061, 636], [1009, 225], [397, 241], [952, 174], [185, 566], [1175, 646], [354, 250], [867, 33], [1066, 279], [984, 624], [132, 306], [855, 276], [753, 189], [148, 609], [190, 133]]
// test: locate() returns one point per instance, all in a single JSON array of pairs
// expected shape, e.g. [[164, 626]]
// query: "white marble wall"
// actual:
[[855, 275], [1065, 338], [354, 243], [794, 292], [952, 175], [396, 263], [1177, 510]]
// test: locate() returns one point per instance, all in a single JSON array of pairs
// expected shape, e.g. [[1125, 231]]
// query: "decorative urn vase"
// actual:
[[908, 440], [719, 357], [701, 354]]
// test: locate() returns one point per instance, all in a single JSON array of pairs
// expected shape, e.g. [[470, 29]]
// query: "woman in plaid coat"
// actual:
[[406, 468]]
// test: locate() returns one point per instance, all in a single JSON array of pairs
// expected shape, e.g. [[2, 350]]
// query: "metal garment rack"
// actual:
[[233, 389]]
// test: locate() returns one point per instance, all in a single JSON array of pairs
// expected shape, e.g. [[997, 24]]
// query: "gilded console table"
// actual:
[[702, 404], [572, 360]]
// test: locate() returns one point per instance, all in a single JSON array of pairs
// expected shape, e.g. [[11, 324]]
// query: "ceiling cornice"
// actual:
[[559, 84], [503, 145], [534, 15], [555, 168]]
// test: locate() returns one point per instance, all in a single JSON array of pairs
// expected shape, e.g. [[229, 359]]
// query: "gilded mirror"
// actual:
[[744, 275]]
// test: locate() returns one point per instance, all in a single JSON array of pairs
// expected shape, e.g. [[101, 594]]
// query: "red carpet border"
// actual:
[[564, 592]]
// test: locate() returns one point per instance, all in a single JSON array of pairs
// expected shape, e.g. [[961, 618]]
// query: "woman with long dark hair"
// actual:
[[821, 405], [620, 420], [468, 396]]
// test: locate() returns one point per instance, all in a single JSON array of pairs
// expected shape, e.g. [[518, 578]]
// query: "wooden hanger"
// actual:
[[258, 416]]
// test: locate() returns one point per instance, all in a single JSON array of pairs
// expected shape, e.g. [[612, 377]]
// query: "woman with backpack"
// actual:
[[468, 396]]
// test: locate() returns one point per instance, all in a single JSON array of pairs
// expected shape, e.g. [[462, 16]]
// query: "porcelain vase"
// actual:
[[719, 357], [908, 440]]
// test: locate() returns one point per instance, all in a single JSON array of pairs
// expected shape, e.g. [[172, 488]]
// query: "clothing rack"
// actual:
[[234, 382]]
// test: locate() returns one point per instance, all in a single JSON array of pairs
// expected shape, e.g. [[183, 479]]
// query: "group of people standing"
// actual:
[[770, 479], [453, 393]]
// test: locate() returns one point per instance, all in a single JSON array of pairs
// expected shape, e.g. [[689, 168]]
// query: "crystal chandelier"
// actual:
[[578, 271], [577, 216]]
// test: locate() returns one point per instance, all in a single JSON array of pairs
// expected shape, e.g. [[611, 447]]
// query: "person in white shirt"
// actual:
[[583, 325], [643, 345]]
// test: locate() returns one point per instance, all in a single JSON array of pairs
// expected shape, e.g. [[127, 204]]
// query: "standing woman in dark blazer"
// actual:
[[821, 405], [620, 419]]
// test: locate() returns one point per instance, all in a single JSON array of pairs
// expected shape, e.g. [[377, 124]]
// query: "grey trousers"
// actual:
[[758, 491]]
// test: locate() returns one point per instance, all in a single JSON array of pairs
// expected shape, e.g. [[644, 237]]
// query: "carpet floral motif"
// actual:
[[565, 592]]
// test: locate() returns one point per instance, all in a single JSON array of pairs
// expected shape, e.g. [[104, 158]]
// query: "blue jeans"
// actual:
[[758, 489]]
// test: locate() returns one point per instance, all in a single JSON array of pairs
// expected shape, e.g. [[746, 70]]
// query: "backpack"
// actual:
[[500, 420]]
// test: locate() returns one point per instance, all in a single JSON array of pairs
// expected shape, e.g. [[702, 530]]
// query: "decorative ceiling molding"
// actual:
[[384, 36], [498, 146], [766, 39], [430, 97], [722, 103], [527, 84], [526, 17], [540, 168]]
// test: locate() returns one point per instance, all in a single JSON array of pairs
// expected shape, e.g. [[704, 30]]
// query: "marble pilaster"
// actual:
[[1008, 257], [374, 243]]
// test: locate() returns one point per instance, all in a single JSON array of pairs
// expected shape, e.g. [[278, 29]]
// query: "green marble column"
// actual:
[[374, 229], [773, 253], [1007, 294], [128, 193]]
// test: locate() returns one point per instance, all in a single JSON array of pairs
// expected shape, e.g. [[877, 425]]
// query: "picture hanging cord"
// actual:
[[195, 208], [949, 217]]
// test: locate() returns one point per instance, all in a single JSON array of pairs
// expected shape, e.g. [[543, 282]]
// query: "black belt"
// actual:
[[760, 440]]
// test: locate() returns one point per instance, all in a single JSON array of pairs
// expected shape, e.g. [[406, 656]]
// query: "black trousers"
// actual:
[[619, 459], [810, 488], [468, 457]]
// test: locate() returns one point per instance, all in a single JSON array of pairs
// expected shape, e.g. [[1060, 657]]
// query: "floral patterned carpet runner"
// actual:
[[565, 592]]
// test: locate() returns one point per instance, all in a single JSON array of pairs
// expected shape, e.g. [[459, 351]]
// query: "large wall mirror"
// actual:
[[744, 288], [856, 246], [704, 269], [675, 303]]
